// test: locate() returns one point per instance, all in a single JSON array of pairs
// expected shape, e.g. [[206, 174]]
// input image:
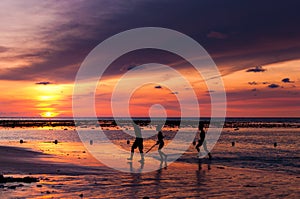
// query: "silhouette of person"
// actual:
[[202, 141], [160, 142], [138, 143]]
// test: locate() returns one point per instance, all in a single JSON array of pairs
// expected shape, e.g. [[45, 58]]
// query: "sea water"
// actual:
[[261, 143]]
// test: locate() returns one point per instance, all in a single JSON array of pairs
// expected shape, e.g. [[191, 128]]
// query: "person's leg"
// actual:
[[206, 150], [161, 154], [134, 145], [205, 147], [142, 157], [131, 155], [141, 147], [197, 146], [200, 142]]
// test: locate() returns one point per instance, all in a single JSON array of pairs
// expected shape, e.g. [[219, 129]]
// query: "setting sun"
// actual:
[[49, 114]]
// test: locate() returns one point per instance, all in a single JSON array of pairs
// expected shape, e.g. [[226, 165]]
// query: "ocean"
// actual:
[[253, 158], [260, 143]]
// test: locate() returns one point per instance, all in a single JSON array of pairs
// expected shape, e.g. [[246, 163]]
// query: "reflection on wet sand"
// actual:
[[67, 170]]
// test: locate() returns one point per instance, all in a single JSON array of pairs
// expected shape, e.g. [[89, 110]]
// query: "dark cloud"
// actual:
[[273, 86], [158, 87], [255, 34], [256, 69], [130, 67], [287, 80], [43, 83], [253, 83], [3, 49], [216, 35], [209, 92], [174, 93]]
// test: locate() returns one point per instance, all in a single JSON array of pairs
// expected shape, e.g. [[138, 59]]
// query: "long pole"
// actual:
[[150, 148]]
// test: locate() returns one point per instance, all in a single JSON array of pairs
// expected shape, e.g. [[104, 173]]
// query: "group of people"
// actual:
[[138, 143]]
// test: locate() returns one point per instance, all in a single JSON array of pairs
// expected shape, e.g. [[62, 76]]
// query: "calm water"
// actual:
[[260, 169], [254, 147]]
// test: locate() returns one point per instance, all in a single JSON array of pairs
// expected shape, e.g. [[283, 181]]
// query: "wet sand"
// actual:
[[28, 159], [66, 170]]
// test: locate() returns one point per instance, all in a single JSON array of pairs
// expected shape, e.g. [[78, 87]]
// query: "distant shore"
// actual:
[[170, 122]]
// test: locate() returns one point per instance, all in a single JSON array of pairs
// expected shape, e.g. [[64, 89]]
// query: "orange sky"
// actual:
[[248, 94]]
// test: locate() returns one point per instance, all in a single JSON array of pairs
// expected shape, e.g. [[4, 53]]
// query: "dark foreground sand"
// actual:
[[68, 171]]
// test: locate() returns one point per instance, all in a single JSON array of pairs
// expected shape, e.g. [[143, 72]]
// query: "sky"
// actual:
[[254, 44]]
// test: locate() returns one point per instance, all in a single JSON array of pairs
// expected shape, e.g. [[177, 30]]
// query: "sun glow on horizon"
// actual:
[[49, 114]]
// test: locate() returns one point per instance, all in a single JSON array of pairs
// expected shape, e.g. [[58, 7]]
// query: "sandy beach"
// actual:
[[67, 170]]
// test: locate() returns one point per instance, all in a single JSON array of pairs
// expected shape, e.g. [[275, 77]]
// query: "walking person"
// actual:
[[202, 141], [138, 143], [160, 142]]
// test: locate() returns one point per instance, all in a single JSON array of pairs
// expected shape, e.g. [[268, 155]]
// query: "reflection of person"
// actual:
[[160, 142], [131, 169], [138, 142], [202, 141], [200, 165]]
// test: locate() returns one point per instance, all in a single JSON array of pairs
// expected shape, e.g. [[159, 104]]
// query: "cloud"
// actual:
[[273, 86], [158, 87], [174, 93], [216, 35], [64, 37], [67, 38], [253, 83], [287, 80], [43, 83], [3, 49], [256, 69], [127, 67]]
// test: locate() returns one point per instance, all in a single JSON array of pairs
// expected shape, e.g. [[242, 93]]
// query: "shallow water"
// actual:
[[252, 168], [254, 147]]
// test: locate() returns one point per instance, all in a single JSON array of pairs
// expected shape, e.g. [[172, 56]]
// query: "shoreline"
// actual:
[[62, 176], [25, 160], [21, 158]]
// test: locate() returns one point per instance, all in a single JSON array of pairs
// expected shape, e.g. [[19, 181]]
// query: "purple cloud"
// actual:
[[273, 86], [253, 83], [216, 35], [287, 80], [65, 43], [43, 83], [257, 69], [3, 49]]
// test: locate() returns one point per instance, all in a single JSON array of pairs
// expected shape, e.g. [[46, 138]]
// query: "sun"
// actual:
[[48, 114]]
